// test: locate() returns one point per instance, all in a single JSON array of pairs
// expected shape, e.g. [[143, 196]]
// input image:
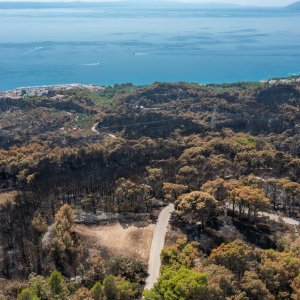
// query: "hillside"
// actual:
[[154, 111], [85, 171]]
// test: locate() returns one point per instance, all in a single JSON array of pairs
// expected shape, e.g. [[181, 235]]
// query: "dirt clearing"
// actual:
[[131, 239]]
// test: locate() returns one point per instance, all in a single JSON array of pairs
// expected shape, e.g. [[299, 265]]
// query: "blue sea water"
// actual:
[[110, 45]]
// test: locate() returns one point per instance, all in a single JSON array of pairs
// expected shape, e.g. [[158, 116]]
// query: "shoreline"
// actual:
[[45, 89], [287, 79]]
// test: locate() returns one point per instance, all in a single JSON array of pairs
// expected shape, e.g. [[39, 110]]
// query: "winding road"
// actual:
[[94, 129], [157, 245]]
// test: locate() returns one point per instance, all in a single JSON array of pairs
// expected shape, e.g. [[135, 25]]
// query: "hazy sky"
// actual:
[[241, 2]]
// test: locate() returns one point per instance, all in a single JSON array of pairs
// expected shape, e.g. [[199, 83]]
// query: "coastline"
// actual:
[[284, 79], [25, 91], [95, 87], [45, 89]]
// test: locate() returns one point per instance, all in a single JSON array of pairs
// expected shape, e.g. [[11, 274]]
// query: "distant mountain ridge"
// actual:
[[167, 3], [126, 3], [295, 6], [136, 3], [152, 4], [30, 5]]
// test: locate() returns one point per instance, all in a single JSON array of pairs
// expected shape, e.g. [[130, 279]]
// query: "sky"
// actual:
[[241, 2]]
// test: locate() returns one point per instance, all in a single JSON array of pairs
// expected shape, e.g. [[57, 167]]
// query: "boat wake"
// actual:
[[91, 64], [34, 50], [139, 53]]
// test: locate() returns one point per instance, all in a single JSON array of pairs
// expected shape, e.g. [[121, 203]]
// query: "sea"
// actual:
[[110, 45]]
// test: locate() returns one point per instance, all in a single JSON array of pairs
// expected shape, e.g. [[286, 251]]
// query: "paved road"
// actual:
[[157, 245]]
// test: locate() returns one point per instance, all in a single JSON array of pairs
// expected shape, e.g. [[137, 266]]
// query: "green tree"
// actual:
[[178, 284], [181, 254], [131, 269], [110, 288], [97, 291], [39, 285], [117, 288], [126, 289], [57, 285], [27, 294]]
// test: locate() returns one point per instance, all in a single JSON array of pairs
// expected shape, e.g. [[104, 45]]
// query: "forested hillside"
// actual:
[[225, 155]]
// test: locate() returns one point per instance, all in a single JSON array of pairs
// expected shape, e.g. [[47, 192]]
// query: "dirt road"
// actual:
[[286, 220], [94, 128]]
